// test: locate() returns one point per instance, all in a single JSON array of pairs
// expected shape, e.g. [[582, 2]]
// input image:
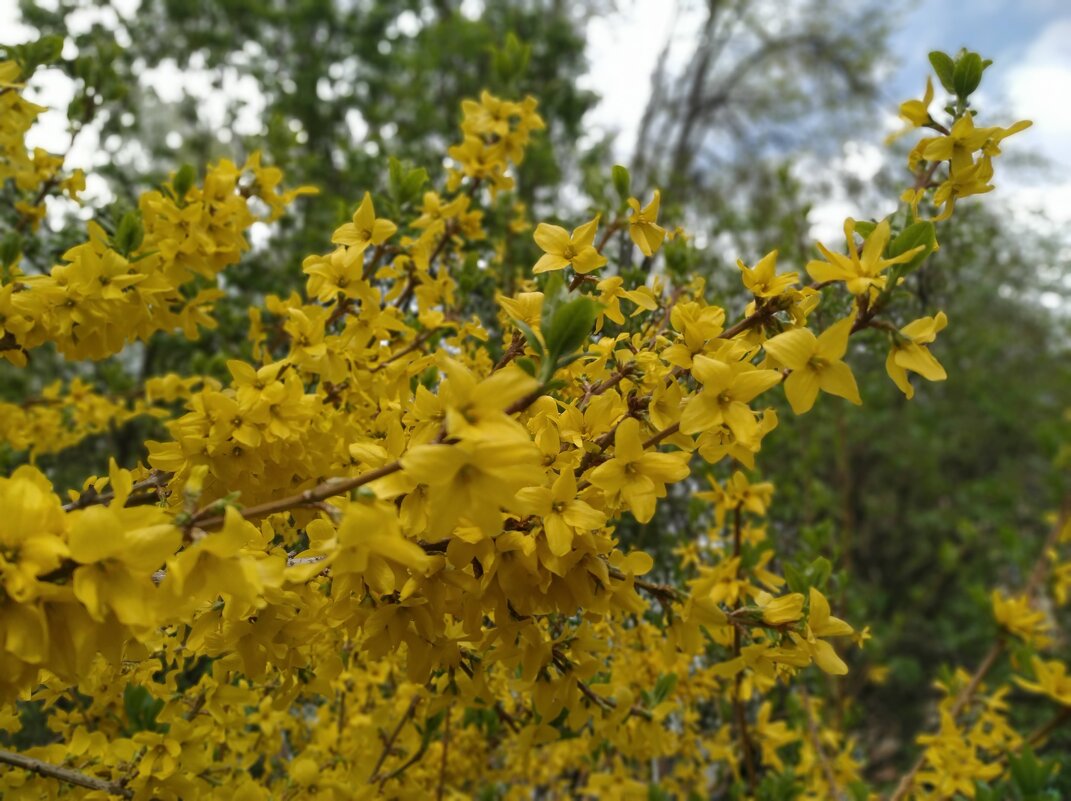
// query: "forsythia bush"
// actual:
[[380, 562]]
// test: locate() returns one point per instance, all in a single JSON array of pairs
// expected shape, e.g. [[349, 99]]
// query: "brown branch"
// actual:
[[1058, 720], [565, 667], [441, 788], [388, 744], [68, 775], [738, 703], [310, 497], [414, 345], [600, 387], [526, 401], [516, 348], [655, 439], [663, 592], [138, 497], [816, 743]]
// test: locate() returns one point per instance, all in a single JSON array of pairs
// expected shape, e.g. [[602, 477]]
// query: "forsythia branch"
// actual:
[[68, 775]]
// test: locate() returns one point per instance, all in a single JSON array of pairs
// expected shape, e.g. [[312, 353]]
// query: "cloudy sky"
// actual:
[[1028, 40]]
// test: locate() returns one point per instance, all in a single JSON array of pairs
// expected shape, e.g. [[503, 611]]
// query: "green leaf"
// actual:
[[533, 338], [944, 67], [656, 793], [797, 582], [570, 326], [394, 177], [663, 687], [622, 181], [405, 182], [967, 74], [32, 55], [141, 708], [183, 181], [129, 234], [920, 233], [1030, 774], [818, 572], [510, 61], [431, 727], [10, 248], [865, 227]]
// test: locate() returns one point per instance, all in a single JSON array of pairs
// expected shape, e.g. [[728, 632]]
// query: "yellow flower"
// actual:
[[562, 250], [563, 514], [778, 611], [727, 390], [638, 476], [1016, 615], [31, 532], [611, 291], [915, 113], [365, 229], [473, 480], [642, 225], [816, 363], [772, 736], [964, 140], [860, 272], [762, 279], [1051, 679], [911, 353], [475, 409], [526, 307], [119, 548], [810, 646]]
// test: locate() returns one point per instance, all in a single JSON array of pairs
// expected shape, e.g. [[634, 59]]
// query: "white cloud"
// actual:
[[623, 50], [1036, 88]]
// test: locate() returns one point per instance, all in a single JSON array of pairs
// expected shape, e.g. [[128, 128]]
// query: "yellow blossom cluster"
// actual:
[[156, 272], [63, 414], [32, 173]]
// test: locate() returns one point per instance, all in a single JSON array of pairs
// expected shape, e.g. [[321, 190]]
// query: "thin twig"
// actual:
[[738, 702], [310, 497], [389, 743], [68, 775], [816, 743], [442, 762]]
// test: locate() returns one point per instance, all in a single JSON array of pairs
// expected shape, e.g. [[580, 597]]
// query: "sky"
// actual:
[[1029, 41]]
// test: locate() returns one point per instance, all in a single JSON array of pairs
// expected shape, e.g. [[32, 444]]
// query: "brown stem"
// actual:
[[442, 763], [564, 666], [611, 229], [389, 742], [68, 775], [516, 348], [816, 743], [156, 480], [663, 592], [321, 492], [600, 387], [414, 345], [1058, 720], [739, 712]]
